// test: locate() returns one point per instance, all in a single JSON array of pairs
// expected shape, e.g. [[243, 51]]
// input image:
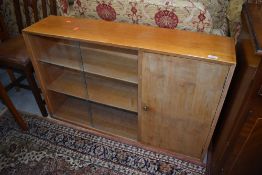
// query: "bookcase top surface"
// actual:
[[158, 40]]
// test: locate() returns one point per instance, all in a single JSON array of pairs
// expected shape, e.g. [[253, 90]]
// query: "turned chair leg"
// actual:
[[12, 109], [12, 77], [36, 92]]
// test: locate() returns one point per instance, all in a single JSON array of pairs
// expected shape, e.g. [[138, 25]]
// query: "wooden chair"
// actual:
[[13, 54], [48, 7], [14, 58], [12, 109]]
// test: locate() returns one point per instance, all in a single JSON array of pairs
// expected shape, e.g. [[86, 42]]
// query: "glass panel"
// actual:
[[114, 120], [62, 71], [60, 52], [110, 62], [71, 109], [111, 77]]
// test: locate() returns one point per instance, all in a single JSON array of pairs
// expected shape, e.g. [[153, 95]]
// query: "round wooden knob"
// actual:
[[145, 108]]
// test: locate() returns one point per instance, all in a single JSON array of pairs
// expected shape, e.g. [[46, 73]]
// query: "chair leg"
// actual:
[[37, 94], [11, 107], [12, 77]]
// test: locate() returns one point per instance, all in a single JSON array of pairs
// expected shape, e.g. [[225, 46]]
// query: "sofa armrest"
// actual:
[[234, 15]]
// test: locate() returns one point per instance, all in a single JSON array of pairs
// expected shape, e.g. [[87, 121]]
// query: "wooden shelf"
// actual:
[[114, 121], [100, 117], [67, 63], [118, 72], [70, 83], [111, 62], [105, 91], [110, 50], [119, 64], [72, 110], [60, 52], [112, 93]]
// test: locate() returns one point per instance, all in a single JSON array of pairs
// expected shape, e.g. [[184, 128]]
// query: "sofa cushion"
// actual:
[[234, 17], [217, 10], [182, 14]]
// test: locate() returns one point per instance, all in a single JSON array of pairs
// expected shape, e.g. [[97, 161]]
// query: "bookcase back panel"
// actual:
[[56, 51], [112, 93], [110, 62], [70, 109], [67, 81]]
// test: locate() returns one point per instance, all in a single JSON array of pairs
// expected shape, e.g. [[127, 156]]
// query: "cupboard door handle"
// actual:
[[146, 108]]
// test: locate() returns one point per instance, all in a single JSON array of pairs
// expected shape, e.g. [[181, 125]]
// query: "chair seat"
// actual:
[[13, 52], [14, 58]]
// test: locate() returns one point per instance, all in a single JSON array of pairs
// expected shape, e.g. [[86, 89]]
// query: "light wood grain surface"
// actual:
[[182, 98], [167, 41]]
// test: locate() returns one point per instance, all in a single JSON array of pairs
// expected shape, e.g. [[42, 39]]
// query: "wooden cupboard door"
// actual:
[[179, 101]]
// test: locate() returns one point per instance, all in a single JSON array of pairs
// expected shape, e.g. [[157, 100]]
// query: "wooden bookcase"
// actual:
[[164, 88]]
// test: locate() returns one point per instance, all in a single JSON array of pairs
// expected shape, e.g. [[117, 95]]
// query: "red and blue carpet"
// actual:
[[53, 148]]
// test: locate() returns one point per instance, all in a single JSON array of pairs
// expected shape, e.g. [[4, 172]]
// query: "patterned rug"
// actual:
[[50, 147]]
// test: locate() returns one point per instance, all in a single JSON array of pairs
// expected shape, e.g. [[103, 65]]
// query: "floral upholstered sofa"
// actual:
[[193, 15], [220, 17]]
